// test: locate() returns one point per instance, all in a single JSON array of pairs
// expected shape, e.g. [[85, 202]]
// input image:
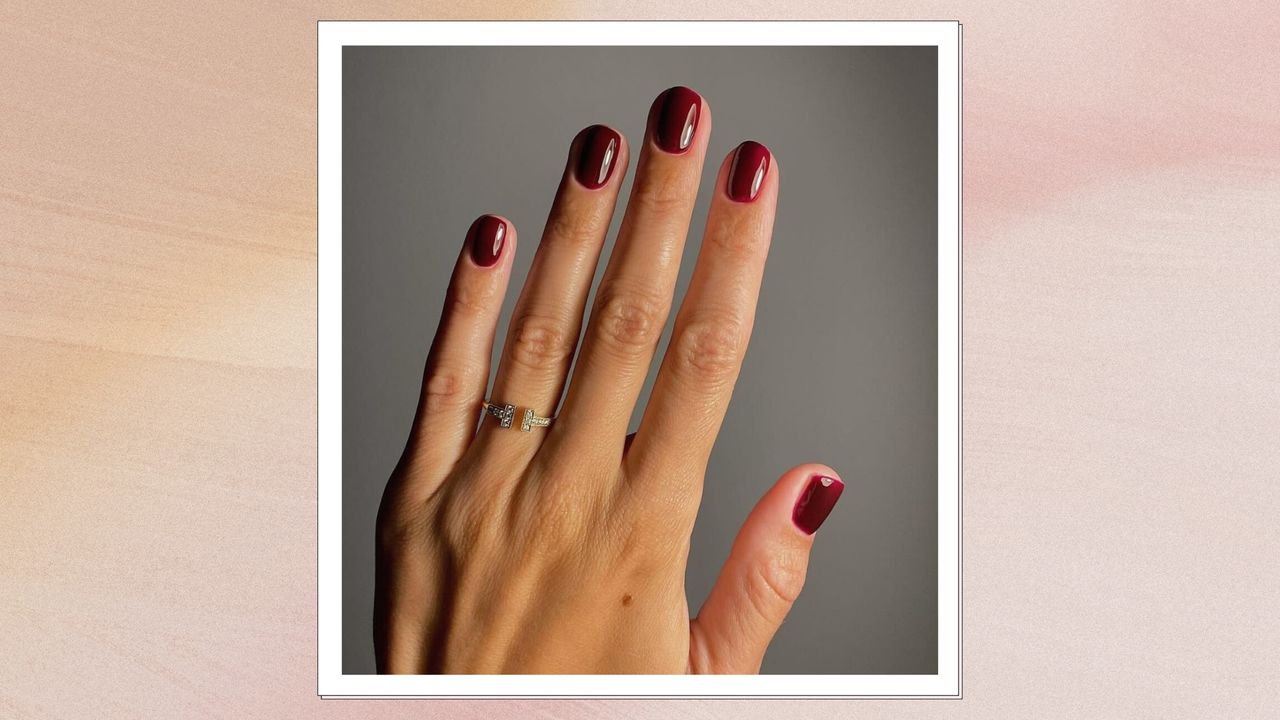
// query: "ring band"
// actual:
[[506, 416]]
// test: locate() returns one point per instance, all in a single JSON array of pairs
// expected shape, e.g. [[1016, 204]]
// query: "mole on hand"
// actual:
[[626, 600]]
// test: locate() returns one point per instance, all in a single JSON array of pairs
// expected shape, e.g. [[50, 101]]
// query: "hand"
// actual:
[[563, 549]]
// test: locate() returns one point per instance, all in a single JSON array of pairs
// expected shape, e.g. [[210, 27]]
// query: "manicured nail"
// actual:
[[815, 503], [487, 236], [746, 173], [595, 160], [678, 112]]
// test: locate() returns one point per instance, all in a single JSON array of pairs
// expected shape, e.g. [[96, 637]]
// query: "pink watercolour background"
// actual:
[[1121, 389]]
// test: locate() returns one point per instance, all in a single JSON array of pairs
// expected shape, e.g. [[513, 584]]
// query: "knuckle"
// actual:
[[447, 388], [772, 587], [738, 237], [539, 343], [574, 227], [468, 300], [709, 349], [661, 192], [627, 321]]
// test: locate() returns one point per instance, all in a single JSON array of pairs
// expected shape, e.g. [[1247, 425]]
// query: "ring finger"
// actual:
[[544, 327]]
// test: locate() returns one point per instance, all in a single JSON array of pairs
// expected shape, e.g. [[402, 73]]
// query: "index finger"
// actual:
[[714, 323]]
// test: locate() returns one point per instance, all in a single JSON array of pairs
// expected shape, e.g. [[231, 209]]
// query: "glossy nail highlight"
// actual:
[[747, 171], [816, 502], [596, 157], [678, 111], [487, 236]]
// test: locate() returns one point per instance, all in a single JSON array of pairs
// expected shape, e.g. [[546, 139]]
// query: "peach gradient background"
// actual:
[[157, 346]]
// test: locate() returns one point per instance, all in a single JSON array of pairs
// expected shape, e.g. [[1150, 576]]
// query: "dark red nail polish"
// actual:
[[815, 503], [746, 172], [487, 236], [678, 111], [599, 149]]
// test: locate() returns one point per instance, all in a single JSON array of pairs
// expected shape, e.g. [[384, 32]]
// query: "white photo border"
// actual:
[[331, 37]]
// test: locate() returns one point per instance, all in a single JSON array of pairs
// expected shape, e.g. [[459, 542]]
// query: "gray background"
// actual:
[[842, 364]]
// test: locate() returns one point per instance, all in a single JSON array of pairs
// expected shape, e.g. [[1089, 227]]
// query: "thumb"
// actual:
[[764, 573]]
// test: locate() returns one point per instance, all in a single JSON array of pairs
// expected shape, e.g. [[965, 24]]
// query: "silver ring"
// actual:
[[506, 415]]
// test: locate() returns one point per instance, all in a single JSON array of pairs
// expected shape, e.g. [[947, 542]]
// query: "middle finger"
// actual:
[[634, 296]]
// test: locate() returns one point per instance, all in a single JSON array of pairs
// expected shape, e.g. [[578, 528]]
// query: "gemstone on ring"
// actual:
[[506, 415], [532, 420]]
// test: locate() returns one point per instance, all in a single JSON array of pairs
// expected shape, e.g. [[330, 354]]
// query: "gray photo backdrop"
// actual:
[[842, 363]]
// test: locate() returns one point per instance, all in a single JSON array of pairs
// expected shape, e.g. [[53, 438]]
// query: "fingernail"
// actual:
[[746, 173], [677, 119], [815, 503], [487, 236], [595, 159]]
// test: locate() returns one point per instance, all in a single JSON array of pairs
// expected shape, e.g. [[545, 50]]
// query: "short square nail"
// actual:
[[747, 171], [596, 156], [487, 236], [815, 503], [678, 111]]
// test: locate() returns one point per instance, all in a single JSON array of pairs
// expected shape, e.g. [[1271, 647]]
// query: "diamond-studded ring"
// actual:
[[506, 415]]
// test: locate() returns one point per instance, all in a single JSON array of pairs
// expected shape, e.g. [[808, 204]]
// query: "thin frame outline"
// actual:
[[332, 36]]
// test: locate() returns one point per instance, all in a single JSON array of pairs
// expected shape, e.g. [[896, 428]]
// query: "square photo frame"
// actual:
[[333, 37]]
